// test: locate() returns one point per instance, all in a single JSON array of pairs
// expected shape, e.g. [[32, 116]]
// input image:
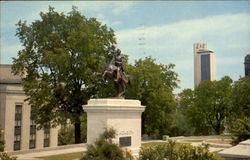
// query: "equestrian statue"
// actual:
[[115, 73]]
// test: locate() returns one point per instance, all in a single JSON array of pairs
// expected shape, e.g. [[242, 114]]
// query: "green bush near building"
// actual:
[[5, 156], [1, 141]]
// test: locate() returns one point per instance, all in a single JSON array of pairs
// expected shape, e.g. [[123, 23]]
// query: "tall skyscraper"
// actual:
[[204, 63]]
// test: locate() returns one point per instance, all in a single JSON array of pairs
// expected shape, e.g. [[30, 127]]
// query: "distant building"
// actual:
[[247, 65], [20, 131], [204, 63]]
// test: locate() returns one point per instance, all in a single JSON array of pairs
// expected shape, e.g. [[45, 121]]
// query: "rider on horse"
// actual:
[[114, 70], [115, 64]]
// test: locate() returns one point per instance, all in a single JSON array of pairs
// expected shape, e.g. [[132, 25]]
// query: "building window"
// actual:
[[205, 67], [46, 142], [32, 143], [18, 127]]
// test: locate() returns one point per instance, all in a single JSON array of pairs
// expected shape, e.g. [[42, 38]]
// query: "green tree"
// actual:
[[153, 84], [240, 128], [66, 133], [195, 121], [181, 125], [241, 97], [186, 99], [60, 64], [212, 104]]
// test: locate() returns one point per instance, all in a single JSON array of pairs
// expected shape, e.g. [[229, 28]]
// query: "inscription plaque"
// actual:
[[125, 141]]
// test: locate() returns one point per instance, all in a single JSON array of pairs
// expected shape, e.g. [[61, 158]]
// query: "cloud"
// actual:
[[122, 7], [227, 35], [95, 7]]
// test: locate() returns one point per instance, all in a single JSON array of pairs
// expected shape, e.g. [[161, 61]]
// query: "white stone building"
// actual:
[[20, 131], [204, 63]]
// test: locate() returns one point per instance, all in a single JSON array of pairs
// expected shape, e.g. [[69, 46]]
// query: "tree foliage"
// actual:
[[209, 105], [241, 97], [181, 125], [153, 84], [186, 99], [240, 128], [66, 133], [61, 63]]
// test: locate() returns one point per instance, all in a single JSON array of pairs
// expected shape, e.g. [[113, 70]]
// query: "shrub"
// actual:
[[176, 151], [5, 156], [66, 135], [240, 130], [105, 149], [1, 141]]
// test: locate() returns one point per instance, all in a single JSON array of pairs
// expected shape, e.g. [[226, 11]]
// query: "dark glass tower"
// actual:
[[204, 63], [247, 65]]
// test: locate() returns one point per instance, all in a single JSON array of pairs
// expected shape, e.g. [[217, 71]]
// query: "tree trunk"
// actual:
[[218, 129], [77, 131]]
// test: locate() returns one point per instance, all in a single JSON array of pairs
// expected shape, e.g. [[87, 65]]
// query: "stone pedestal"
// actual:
[[122, 115]]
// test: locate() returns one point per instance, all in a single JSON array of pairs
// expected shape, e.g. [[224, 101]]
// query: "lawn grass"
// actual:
[[68, 156], [193, 140], [152, 144]]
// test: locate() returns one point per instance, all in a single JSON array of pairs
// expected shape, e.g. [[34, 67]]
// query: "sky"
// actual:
[[164, 30]]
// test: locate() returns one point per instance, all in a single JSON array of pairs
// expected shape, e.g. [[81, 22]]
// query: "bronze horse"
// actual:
[[119, 83], [114, 72]]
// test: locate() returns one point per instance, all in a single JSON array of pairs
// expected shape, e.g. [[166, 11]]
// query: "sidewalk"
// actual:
[[54, 151]]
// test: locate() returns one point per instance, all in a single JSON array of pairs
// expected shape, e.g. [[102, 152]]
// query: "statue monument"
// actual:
[[123, 115], [115, 73]]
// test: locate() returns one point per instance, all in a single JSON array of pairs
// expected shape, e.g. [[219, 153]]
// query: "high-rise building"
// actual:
[[247, 65], [20, 130], [204, 63]]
